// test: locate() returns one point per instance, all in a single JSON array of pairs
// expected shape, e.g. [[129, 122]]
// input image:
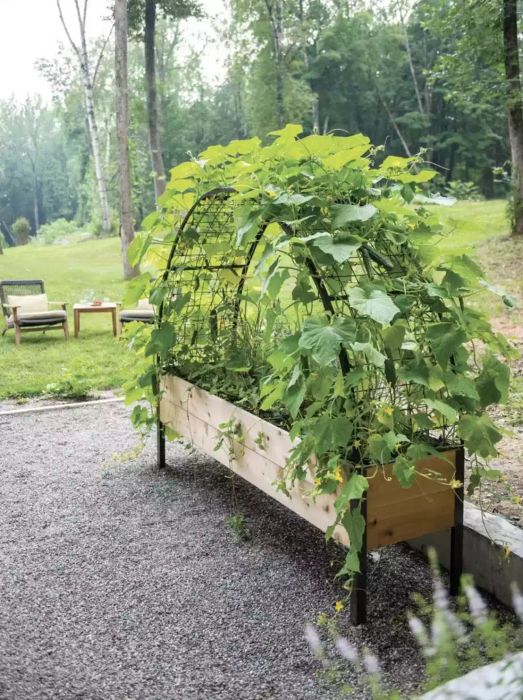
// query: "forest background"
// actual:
[[423, 75]]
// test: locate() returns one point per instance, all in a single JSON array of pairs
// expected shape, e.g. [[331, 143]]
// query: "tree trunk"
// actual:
[[36, 211], [152, 99], [274, 10], [97, 159], [413, 73], [122, 135], [514, 106], [83, 60]]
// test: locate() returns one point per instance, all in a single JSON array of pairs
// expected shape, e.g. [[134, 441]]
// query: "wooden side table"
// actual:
[[106, 307]]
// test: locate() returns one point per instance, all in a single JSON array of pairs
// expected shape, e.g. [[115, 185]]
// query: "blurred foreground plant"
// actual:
[[452, 643]]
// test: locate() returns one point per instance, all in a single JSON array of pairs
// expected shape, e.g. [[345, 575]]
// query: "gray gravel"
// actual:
[[117, 581]]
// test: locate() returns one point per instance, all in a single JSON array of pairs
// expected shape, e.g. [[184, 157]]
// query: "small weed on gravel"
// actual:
[[238, 524]]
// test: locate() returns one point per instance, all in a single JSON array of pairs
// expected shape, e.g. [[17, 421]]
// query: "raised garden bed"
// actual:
[[258, 451], [307, 340]]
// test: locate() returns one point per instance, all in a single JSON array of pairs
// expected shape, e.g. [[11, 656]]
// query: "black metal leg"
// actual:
[[456, 533], [160, 442], [358, 598]]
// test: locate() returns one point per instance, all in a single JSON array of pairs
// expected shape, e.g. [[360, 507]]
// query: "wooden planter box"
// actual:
[[259, 452]]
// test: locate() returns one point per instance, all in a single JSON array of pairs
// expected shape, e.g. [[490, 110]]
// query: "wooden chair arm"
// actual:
[[14, 311], [63, 304]]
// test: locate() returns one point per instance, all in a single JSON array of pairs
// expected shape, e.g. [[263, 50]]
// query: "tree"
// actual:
[[88, 77], [483, 64], [280, 54], [142, 21], [122, 135], [514, 104], [35, 179]]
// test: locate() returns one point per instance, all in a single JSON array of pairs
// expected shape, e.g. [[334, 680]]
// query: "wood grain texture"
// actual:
[[394, 514]]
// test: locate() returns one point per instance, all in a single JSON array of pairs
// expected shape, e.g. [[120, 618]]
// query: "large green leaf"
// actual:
[[459, 385], [355, 524], [493, 382], [352, 490], [396, 162], [404, 470], [290, 131], [374, 357], [247, 222], [347, 213], [275, 279], [374, 303], [324, 338], [341, 158], [295, 392], [340, 431], [243, 146], [445, 339], [293, 199], [480, 435], [340, 248], [162, 340], [447, 411], [140, 245], [422, 176], [394, 335]]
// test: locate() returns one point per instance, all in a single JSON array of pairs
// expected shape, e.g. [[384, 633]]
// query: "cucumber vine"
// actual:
[[308, 287]]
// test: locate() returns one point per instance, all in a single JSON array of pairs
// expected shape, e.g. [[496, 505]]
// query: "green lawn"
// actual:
[[473, 223], [95, 360]]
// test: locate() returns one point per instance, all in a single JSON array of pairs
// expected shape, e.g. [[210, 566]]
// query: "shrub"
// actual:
[[463, 190], [56, 230], [95, 225], [21, 230]]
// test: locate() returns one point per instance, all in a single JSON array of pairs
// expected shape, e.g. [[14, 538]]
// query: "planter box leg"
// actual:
[[358, 598], [456, 533], [160, 443]]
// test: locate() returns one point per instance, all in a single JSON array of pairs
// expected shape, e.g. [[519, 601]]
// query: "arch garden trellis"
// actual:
[[211, 220], [303, 342]]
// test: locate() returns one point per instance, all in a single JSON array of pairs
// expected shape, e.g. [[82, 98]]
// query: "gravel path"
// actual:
[[117, 581]]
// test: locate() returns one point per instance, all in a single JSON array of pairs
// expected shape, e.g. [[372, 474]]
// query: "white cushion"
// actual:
[[145, 304], [29, 303]]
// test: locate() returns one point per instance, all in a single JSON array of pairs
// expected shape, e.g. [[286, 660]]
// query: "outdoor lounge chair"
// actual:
[[26, 308], [144, 313]]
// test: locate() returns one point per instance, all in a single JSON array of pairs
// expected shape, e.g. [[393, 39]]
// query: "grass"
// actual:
[[95, 361], [477, 222]]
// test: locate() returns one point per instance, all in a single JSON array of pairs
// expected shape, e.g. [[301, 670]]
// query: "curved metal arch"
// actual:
[[225, 193]]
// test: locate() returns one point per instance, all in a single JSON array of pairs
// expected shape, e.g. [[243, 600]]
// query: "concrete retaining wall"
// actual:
[[492, 551]]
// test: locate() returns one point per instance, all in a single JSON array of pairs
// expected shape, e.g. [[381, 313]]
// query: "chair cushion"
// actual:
[[42, 318], [128, 315], [39, 315], [145, 304], [28, 303]]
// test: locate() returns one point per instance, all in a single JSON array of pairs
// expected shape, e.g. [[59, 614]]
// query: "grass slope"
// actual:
[[95, 360]]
